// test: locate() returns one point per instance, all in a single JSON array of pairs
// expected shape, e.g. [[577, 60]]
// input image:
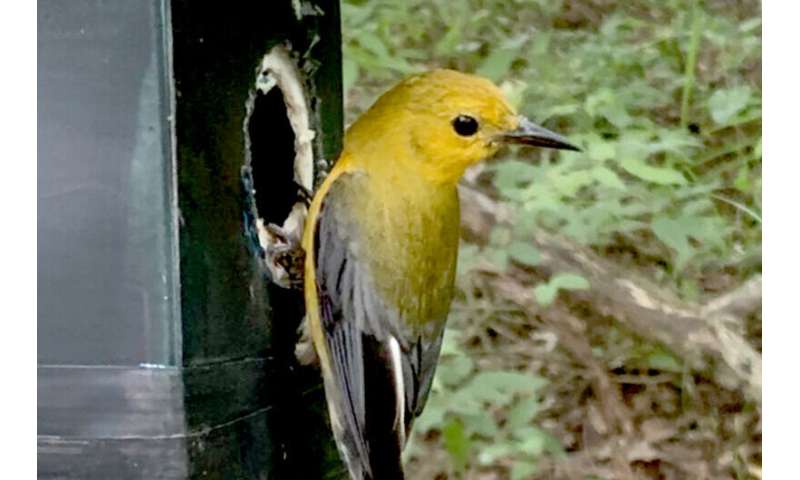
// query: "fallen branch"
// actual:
[[739, 303], [705, 337]]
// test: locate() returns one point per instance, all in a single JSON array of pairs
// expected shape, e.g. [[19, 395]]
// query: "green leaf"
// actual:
[[451, 343], [373, 43], [726, 104], [497, 64], [514, 91], [748, 26], [497, 257], [570, 281], [522, 469], [557, 110], [524, 253], [617, 115], [658, 175], [454, 369], [433, 415], [491, 453], [596, 100], [608, 178], [606, 103], [500, 236], [481, 423], [672, 140], [457, 443], [674, 234], [522, 413], [534, 444], [349, 73], [468, 258], [448, 44], [511, 174], [378, 55], [546, 293], [499, 387], [569, 184], [601, 151], [664, 361]]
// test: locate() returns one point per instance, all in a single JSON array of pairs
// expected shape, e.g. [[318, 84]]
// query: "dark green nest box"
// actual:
[[168, 132]]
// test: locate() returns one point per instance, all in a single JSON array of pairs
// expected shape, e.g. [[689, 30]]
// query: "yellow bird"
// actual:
[[381, 241]]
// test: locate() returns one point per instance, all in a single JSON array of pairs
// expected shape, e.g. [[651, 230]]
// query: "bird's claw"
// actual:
[[304, 195], [285, 257]]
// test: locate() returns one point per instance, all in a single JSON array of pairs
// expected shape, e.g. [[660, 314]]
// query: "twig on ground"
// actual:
[[705, 337]]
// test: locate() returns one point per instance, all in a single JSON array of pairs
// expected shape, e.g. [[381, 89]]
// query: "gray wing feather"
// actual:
[[352, 313]]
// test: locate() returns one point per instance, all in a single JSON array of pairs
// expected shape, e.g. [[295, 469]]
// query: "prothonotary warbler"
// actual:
[[381, 241]]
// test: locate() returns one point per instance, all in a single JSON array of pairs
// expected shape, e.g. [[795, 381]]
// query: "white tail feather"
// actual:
[[400, 391]]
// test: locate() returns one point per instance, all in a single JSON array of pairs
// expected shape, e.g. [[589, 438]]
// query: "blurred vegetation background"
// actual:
[[607, 323]]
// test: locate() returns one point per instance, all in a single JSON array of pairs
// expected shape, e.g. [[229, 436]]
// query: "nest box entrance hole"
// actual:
[[272, 157], [279, 160]]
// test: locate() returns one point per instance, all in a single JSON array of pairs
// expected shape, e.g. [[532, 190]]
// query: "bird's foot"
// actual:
[[304, 195], [304, 350], [283, 252]]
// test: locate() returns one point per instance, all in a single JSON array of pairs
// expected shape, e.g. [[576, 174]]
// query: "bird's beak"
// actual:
[[528, 133]]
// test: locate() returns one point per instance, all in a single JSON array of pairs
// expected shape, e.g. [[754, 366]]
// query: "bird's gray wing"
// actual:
[[364, 341]]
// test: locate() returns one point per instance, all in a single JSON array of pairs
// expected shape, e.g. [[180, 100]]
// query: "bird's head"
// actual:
[[446, 121]]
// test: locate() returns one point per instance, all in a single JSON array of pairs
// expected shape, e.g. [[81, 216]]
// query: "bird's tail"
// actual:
[[382, 434]]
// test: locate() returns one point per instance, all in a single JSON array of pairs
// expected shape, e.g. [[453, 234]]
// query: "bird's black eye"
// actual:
[[465, 125]]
